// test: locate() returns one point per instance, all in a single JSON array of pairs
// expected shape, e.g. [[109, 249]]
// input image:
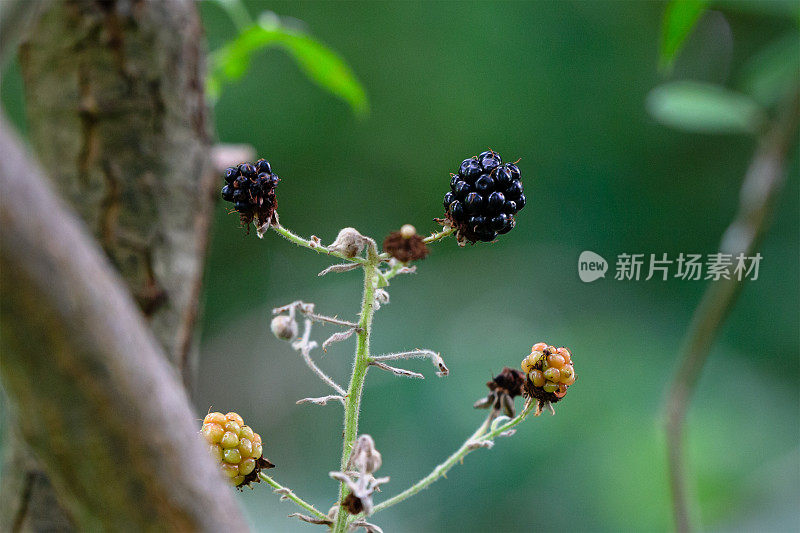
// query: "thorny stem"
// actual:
[[757, 197], [436, 237], [360, 366], [469, 445], [392, 272], [352, 404], [287, 493], [316, 246], [307, 310]]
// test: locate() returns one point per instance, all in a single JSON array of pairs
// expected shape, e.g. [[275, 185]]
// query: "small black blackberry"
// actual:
[[484, 197], [251, 189]]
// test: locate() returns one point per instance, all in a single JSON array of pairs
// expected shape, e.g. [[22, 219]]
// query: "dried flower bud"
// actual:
[[284, 327], [364, 456], [349, 242], [381, 298], [405, 245], [407, 231]]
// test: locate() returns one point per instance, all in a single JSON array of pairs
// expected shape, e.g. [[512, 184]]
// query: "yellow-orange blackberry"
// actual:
[[550, 371], [235, 446]]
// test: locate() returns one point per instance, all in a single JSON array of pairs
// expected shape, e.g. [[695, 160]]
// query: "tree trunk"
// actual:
[[118, 118], [94, 395], [119, 121]]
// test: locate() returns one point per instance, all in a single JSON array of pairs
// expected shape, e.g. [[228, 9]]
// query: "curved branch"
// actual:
[[761, 185], [94, 395], [479, 439]]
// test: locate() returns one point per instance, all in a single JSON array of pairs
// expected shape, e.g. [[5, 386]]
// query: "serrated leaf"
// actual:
[[704, 107], [321, 64], [680, 18]]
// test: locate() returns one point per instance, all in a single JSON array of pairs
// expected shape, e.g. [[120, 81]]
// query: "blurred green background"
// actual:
[[561, 85]]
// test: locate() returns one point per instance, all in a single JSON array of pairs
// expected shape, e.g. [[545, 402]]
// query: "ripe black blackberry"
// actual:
[[484, 197], [251, 189]]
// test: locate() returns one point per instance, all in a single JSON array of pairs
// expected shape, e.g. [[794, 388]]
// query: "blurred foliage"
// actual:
[[704, 107], [680, 18], [562, 85], [772, 74], [773, 71], [322, 65]]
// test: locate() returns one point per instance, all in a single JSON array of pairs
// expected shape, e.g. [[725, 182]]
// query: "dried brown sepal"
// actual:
[[405, 248], [540, 394], [263, 215], [503, 388], [352, 504], [510, 380], [262, 463], [464, 233]]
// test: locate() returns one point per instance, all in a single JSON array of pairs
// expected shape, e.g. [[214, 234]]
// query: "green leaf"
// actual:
[[325, 67], [680, 18], [704, 107], [321, 64]]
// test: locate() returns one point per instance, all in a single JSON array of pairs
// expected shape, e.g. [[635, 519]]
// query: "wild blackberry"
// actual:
[[251, 189], [235, 446], [549, 372], [484, 197]]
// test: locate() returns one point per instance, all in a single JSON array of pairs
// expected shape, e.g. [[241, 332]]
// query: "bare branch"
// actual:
[[323, 400], [312, 520], [307, 309], [397, 371], [332, 320], [761, 186], [343, 267], [304, 346], [476, 444], [435, 358], [287, 494], [337, 337], [369, 528]]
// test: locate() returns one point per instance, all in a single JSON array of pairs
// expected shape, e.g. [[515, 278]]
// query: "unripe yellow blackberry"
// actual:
[[549, 371], [236, 447]]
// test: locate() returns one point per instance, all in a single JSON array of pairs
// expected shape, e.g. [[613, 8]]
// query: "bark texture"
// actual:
[[118, 119], [95, 397]]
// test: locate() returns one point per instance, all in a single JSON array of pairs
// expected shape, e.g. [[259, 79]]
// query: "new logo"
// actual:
[[591, 266]]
